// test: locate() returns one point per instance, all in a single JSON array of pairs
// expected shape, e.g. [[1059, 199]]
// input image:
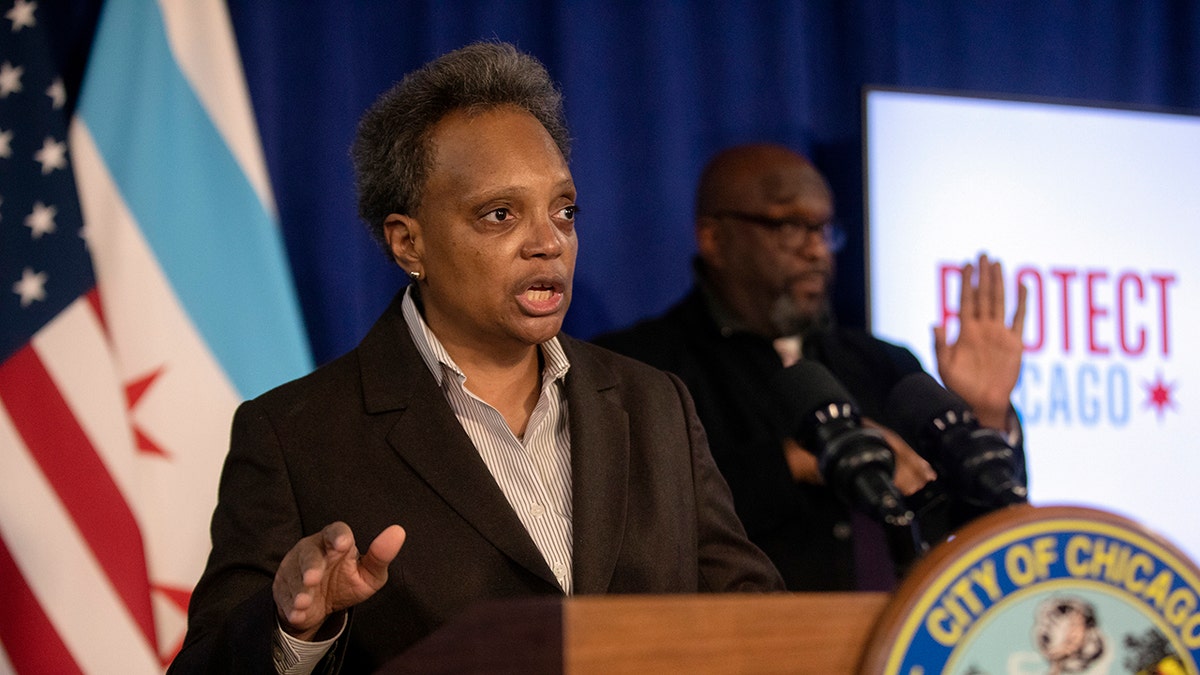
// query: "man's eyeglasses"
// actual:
[[830, 232]]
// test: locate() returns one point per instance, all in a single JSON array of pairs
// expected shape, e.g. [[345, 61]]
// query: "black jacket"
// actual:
[[370, 440]]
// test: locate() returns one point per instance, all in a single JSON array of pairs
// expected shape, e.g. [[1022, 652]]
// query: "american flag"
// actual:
[[117, 374], [47, 271]]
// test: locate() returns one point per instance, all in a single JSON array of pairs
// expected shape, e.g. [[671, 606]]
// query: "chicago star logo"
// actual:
[[1159, 395]]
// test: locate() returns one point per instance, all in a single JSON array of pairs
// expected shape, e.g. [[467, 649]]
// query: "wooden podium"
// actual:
[[936, 616], [730, 633]]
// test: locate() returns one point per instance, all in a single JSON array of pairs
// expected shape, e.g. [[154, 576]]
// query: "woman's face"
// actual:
[[494, 234]]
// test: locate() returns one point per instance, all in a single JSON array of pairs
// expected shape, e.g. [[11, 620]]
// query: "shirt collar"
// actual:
[[438, 361]]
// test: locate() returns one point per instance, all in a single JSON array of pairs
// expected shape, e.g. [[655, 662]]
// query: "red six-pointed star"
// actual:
[[1159, 395]]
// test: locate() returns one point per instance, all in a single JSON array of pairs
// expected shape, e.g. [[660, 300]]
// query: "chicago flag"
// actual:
[[144, 293]]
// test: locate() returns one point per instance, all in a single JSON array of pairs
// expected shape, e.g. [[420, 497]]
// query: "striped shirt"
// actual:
[[533, 471]]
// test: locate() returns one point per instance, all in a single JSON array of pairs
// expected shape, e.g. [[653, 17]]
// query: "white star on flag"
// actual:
[[10, 79], [31, 287], [41, 220], [21, 15], [6, 143], [57, 93], [53, 155]]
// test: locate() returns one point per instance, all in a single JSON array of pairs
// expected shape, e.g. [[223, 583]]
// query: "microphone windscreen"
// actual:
[[915, 401], [805, 386]]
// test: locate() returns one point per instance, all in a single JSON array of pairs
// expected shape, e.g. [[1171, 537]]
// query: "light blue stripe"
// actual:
[[215, 241]]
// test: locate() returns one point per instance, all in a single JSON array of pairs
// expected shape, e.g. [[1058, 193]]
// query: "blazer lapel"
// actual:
[[599, 470], [429, 438]]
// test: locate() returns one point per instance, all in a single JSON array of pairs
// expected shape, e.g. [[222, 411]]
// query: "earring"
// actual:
[[414, 275]]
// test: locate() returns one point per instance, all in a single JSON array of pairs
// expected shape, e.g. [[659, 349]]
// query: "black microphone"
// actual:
[[856, 463], [976, 461]]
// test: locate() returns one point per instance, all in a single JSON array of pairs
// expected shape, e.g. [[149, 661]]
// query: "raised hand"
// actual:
[[983, 364], [323, 574]]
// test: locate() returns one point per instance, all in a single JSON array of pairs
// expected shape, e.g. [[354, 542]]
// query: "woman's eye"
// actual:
[[498, 215]]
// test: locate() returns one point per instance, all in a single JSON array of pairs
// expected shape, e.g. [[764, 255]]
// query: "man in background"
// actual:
[[764, 270]]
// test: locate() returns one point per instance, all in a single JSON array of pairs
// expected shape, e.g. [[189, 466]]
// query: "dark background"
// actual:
[[652, 90]]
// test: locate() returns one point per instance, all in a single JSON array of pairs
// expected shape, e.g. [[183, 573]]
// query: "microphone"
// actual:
[[976, 461], [856, 463]]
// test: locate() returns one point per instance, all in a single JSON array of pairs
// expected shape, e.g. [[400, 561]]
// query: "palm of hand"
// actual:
[[323, 574], [346, 584], [983, 364]]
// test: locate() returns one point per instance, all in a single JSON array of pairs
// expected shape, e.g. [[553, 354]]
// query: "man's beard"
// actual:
[[789, 319]]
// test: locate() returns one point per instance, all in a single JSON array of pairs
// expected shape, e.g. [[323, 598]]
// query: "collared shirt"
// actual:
[[533, 471]]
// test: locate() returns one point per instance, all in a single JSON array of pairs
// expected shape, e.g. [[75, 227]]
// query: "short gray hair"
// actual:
[[391, 152]]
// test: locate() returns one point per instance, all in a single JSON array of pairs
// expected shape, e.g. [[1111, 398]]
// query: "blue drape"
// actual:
[[652, 90]]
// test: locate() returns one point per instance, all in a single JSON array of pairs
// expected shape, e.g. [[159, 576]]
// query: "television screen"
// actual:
[[1096, 211]]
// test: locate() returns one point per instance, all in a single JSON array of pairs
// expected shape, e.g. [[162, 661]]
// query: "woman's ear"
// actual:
[[403, 235]]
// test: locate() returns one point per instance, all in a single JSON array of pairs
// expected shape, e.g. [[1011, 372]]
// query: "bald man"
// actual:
[[764, 270]]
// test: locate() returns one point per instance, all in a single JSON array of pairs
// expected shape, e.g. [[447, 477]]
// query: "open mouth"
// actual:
[[539, 293], [542, 297]]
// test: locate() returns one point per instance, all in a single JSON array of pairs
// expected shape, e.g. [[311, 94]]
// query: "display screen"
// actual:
[[1096, 211]]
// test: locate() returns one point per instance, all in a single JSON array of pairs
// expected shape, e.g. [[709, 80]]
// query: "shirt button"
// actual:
[[537, 510], [842, 531]]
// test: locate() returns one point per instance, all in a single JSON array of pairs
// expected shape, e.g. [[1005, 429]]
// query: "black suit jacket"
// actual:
[[369, 439]]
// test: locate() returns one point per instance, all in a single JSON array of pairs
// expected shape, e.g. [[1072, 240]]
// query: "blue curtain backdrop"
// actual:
[[652, 90]]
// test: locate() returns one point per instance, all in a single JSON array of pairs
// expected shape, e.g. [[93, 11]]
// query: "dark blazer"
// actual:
[[369, 439]]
